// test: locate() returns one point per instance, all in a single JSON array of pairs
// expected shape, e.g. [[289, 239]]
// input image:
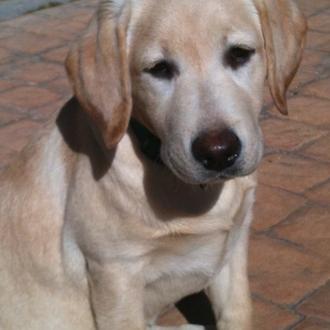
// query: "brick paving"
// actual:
[[290, 239]]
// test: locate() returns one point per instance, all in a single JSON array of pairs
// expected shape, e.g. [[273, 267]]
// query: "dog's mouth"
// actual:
[[150, 146], [200, 179]]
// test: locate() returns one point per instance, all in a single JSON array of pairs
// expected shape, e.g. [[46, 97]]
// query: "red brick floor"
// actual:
[[290, 241]]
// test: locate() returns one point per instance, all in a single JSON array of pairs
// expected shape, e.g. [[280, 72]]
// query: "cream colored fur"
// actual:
[[98, 238]]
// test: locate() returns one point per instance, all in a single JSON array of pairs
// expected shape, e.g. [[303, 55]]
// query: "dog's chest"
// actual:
[[181, 266], [187, 254]]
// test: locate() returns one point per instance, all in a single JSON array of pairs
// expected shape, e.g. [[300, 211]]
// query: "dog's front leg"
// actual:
[[229, 291], [116, 295]]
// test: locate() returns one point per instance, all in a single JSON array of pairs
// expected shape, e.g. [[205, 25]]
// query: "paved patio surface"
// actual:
[[290, 241]]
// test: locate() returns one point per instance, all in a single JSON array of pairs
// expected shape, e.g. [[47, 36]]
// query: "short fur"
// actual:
[[95, 236]]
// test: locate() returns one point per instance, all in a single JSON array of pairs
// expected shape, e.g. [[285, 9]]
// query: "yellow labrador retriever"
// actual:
[[142, 192]]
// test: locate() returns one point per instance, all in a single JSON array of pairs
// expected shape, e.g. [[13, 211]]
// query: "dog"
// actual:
[[141, 191]]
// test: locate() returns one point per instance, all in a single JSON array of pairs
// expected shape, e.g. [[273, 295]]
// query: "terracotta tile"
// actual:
[[283, 274], [5, 55], [318, 304], [6, 156], [315, 61], [320, 194], [89, 3], [318, 89], [312, 323], [288, 135], [310, 229], [45, 112], [61, 86], [7, 116], [19, 61], [16, 135], [292, 173], [3, 68], [273, 206], [317, 40], [37, 72], [268, 100], [21, 22], [67, 12], [269, 316], [86, 17], [55, 28], [31, 43], [73, 27], [315, 65], [6, 31], [8, 84], [320, 22], [172, 318], [25, 98], [57, 55], [301, 78], [314, 38], [309, 7], [308, 110], [319, 149]]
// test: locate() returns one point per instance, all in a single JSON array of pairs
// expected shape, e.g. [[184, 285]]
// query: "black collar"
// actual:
[[149, 144]]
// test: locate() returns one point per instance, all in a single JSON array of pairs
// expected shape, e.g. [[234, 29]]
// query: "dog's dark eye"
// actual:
[[163, 70], [237, 56]]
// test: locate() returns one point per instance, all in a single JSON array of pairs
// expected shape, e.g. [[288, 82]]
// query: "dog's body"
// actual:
[[94, 234], [174, 260]]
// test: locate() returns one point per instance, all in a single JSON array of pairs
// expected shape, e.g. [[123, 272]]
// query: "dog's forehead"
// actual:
[[184, 21]]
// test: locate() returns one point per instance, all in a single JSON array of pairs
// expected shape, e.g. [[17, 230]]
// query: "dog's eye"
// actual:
[[163, 70], [237, 56]]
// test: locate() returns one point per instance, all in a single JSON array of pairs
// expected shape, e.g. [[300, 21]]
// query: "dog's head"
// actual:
[[190, 71]]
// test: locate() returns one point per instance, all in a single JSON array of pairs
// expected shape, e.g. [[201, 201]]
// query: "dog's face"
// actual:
[[198, 71], [195, 72]]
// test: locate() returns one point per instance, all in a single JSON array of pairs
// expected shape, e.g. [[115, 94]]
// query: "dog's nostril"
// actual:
[[207, 162], [217, 150]]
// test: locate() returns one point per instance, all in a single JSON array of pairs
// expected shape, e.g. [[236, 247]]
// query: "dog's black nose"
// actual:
[[217, 150]]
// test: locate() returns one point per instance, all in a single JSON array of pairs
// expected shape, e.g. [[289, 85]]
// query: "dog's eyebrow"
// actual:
[[155, 54], [247, 38], [150, 61]]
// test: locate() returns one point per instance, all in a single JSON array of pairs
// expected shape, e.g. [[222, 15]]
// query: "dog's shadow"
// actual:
[[197, 310], [168, 197], [80, 136]]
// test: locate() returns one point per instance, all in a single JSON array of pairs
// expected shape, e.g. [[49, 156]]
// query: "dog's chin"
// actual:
[[199, 176], [195, 176]]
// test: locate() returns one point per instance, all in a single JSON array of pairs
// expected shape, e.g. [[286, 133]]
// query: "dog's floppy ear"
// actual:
[[284, 29], [97, 66]]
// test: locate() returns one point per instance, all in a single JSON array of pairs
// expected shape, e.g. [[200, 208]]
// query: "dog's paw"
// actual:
[[191, 327], [182, 327]]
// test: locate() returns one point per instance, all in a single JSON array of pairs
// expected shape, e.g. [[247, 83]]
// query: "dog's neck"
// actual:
[[148, 143]]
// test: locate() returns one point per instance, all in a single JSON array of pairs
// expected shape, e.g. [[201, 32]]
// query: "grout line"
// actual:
[[309, 295], [294, 325]]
